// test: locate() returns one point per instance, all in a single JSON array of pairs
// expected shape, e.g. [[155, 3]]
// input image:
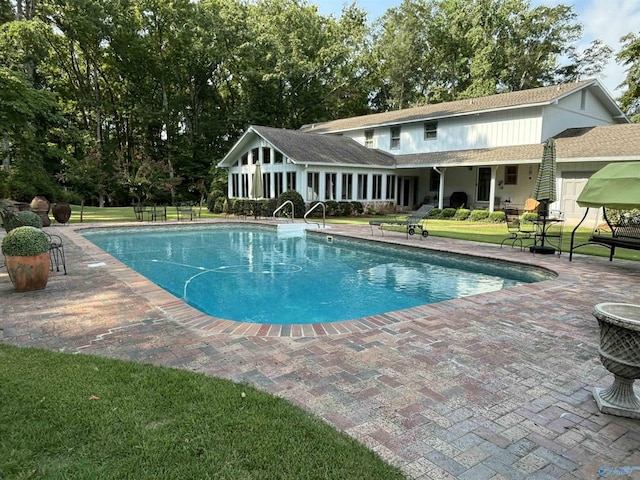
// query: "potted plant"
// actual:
[[26, 251]]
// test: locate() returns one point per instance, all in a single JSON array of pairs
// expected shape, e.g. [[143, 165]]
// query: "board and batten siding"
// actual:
[[569, 111], [496, 129]]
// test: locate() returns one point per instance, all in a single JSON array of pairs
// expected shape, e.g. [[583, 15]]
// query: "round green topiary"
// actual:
[[25, 218], [24, 242]]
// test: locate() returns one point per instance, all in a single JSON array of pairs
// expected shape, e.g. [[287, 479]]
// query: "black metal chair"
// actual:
[[56, 252], [517, 229]]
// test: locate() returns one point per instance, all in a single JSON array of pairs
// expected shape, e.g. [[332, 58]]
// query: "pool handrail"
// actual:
[[282, 206], [324, 214]]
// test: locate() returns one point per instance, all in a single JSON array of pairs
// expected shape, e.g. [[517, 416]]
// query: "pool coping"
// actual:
[[188, 316]]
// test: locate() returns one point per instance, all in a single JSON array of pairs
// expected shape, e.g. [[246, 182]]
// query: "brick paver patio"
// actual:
[[490, 386]]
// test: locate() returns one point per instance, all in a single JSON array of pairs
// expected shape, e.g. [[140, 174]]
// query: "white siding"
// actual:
[[507, 128], [568, 114]]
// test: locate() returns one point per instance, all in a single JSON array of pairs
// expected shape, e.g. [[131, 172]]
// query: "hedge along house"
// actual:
[[483, 152]]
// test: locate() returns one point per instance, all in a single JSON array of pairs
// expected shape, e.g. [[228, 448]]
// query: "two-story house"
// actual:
[[483, 152]]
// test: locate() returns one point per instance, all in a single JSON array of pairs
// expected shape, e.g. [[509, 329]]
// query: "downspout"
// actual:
[[440, 188]]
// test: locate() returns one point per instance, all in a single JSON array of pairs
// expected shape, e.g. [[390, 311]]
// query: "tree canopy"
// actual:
[[130, 100]]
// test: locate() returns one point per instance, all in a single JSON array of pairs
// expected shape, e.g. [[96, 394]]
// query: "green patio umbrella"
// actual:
[[545, 190], [257, 186]]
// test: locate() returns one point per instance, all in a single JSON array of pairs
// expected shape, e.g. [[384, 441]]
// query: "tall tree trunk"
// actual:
[[168, 132]]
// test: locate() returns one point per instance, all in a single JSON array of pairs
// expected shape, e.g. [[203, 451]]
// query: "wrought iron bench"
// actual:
[[625, 233]]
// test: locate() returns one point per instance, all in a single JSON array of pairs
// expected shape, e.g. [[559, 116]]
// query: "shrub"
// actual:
[[448, 213], [497, 217], [333, 210], [25, 241], [22, 219], [296, 199], [462, 214], [358, 208], [346, 209], [479, 215], [529, 217], [435, 213], [615, 216]]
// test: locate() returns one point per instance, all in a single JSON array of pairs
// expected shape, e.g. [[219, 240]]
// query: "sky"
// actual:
[[607, 20]]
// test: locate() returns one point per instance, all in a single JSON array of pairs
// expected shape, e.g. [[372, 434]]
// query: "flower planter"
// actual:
[[620, 354], [29, 272]]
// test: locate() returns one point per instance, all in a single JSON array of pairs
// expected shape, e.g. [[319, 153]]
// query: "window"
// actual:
[[362, 186], [330, 186], [347, 186], [245, 186], [266, 182], [266, 155], [313, 186], [391, 187], [376, 194], [235, 185], [279, 157], [291, 180], [511, 175], [278, 184], [434, 181], [245, 159], [368, 138], [431, 130], [254, 155], [395, 138]]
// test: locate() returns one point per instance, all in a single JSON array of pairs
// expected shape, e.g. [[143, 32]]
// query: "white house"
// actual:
[[481, 152]]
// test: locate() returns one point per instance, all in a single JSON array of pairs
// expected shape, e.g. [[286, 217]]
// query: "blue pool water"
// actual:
[[250, 274]]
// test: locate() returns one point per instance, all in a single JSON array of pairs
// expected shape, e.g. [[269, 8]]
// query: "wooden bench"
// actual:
[[623, 234]]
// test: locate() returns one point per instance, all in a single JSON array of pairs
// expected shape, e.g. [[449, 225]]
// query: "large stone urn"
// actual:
[[620, 354], [41, 206]]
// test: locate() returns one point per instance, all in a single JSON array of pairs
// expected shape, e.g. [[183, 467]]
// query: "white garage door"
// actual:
[[572, 185]]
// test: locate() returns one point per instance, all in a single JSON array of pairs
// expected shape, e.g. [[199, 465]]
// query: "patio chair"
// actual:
[[56, 252], [411, 223], [158, 212], [518, 230]]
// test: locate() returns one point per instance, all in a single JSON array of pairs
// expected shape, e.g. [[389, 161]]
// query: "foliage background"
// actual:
[[114, 101]]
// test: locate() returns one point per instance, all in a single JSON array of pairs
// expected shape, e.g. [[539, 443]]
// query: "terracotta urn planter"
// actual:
[[41, 206], [61, 212], [620, 354], [27, 258], [30, 272]]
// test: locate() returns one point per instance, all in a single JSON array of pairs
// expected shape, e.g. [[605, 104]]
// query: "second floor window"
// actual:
[[431, 130], [395, 138], [368, 138]]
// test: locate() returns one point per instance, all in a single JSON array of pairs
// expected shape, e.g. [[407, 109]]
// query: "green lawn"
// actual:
[[84, 417], [463, 230]]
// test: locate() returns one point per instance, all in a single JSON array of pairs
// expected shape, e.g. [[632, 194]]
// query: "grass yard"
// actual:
[[496, 232], [462, 230], [84, 417]]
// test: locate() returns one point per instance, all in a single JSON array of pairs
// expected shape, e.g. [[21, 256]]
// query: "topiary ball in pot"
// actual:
[[24, 218], [26, 251]]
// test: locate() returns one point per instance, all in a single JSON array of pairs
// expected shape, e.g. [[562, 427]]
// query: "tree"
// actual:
[[629, 56]]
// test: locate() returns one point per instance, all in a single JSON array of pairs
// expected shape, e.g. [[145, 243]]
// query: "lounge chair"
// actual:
[[518, 230], [411, 223]]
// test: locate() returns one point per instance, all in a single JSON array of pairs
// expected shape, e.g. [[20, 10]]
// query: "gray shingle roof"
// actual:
[[303, 148], [619, 142], [536, 96]]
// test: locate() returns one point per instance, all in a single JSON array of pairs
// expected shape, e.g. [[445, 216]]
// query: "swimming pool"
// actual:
[[250, 274]]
